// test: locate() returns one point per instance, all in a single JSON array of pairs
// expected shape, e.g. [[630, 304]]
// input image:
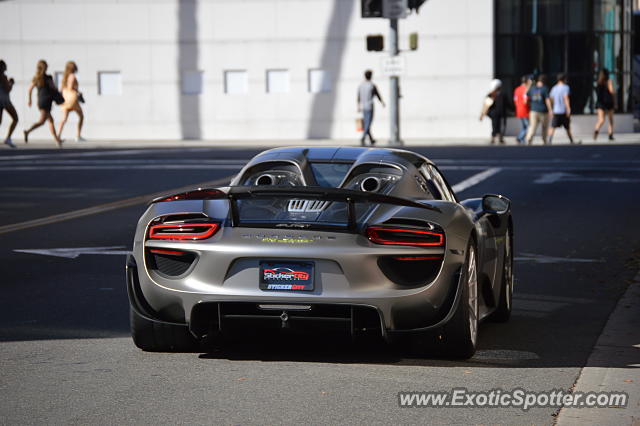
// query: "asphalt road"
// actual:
[[66, 356]]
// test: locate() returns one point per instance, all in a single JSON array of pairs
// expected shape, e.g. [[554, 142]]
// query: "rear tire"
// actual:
[[155, 336], [503, 310], [460, 334]]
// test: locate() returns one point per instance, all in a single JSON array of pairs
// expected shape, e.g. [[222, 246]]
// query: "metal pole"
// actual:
[[394, 104]]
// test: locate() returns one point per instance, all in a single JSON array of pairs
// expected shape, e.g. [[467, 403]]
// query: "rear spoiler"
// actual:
[[348, 196]]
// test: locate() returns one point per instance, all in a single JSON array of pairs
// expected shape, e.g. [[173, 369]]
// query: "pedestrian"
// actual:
[[540, 109], [521, 101], [495, 107], [561, 107], [366, 92], [72, 98], [47, 93], [604, 103], [6, 84]]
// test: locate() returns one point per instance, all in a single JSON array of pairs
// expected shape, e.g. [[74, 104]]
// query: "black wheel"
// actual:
[[503, 310], [460, 334], [155, 336]]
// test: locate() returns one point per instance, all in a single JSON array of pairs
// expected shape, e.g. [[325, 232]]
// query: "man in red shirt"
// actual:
[[521, 101]]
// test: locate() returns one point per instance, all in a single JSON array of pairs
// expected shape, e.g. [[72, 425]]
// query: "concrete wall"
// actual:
[[153, 42]]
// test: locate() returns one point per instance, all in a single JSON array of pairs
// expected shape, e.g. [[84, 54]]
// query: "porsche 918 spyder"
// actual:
[[352, 240]]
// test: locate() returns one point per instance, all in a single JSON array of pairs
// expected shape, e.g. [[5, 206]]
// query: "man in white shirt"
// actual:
[[366, 91]]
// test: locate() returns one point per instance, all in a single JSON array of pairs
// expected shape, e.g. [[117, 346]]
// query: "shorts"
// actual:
[[561, 120]]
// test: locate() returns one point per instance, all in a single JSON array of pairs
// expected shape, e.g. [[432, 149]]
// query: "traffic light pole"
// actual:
[[394, 92]]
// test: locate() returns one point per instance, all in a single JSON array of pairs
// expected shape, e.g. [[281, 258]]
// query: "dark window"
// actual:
[[330, 174], [576, 37]]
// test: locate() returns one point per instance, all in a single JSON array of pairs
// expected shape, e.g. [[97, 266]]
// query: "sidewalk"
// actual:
[[559, 139], [614, 366]]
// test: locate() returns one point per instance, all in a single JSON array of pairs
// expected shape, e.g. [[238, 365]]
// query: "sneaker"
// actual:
[[9, 142], [80, 139]]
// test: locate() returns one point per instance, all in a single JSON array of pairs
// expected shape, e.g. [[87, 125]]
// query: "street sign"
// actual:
[[395, 9], [393, 66]]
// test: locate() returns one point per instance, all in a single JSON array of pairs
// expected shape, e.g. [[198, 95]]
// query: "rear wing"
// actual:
[[348, 196]]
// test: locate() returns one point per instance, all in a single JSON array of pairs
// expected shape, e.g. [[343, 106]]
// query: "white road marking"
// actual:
[[104, 153], [540, 258], [72, 253], [475, 179], [550, 177], [571, 177], [129, 202]]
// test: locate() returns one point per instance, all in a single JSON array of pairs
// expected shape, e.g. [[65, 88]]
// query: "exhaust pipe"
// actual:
[[265, 180], [370, 184]]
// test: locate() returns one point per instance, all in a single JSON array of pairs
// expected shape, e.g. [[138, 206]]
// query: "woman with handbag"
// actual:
[[47, 94], [72, 98]]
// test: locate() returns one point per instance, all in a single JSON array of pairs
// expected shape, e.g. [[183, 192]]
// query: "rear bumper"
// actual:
[[204, 313]]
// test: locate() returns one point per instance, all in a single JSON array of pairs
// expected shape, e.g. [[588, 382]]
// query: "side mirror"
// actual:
[[495, 204]]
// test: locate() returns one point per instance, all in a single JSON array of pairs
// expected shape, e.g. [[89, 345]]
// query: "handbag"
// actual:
[[359, 123], [80, 98], [57, 97]]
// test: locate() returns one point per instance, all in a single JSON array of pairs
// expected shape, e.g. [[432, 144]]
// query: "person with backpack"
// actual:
[[540, 107], [47, 94], [495, 107]]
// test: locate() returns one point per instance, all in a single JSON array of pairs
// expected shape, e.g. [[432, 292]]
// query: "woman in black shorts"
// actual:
[[605, 102], [46, 92]]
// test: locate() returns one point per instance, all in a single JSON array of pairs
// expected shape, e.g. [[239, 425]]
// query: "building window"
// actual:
[[236, 82], [576, 37], [191, 82], [109, 83], [319, 81], [277, 81]]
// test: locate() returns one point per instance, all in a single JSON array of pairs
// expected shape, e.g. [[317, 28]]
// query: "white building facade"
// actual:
[[249, 69]]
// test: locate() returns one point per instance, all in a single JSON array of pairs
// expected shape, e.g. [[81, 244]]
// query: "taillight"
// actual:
[[404, 237], [196, 194], [183, 231]]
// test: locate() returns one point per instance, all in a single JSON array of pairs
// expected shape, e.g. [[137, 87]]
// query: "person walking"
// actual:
[[521, 101], [561, 107], [6, 84], [366, 92], [540, 109], [605, 102], [72, 97], [495, 107], [46, 94]]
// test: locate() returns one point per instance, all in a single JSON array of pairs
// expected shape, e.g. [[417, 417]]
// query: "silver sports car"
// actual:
[[356, 240]]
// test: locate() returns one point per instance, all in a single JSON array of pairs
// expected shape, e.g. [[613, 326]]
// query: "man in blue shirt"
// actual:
[[540, 109], [561, 107]]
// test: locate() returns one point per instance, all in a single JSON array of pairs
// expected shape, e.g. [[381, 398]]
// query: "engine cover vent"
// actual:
[[307, 206]]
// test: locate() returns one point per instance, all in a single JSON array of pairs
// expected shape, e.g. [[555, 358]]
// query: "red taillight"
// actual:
[[410, 258], [183, 231], [404, 237], [197, 194]]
